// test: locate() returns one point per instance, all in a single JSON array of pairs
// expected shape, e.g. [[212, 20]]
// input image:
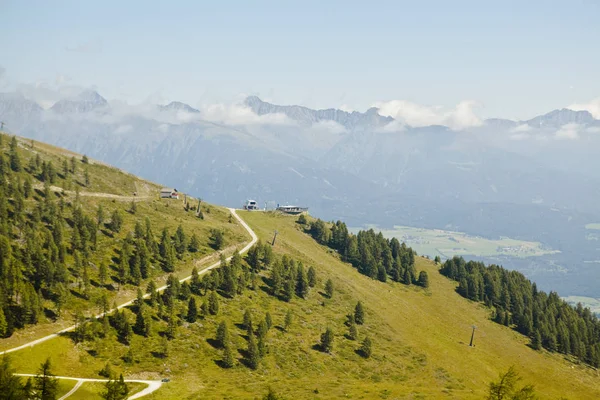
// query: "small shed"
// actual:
[[169, 193], [251, 205]]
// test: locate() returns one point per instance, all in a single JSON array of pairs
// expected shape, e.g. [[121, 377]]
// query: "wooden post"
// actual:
[[274, 237], [472, 335]]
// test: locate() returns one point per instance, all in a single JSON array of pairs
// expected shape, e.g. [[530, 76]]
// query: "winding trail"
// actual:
[[152, 385]]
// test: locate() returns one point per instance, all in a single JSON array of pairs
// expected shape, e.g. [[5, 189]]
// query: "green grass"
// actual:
[[447, 244], [92, 390], [420, 342]]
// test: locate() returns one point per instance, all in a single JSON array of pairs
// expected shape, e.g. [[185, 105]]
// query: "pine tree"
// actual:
[[116, 221], [194, 243], [86, 175], [172, 324], [228, 357], [213, 303], [247, 320], [115, 389], [268, 320], [536, 341], [423, 279], [359, 313], [253, 353], [10, 385], [289, 317], [312, 277], [365, 347], [45, 385], [14, 160], [222, 336], [329, 288], [327, 341], [352, 329], [3, 324], [192, 312], [301, 282]]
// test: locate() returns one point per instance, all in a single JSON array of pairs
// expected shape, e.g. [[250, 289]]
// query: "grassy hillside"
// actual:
[[420, 341], [87, 185]]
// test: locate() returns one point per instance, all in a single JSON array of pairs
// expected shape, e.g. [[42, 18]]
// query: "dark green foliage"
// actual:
[[366, 347], [222, 336], [115, 389], [253, 355], [437, 260], [228, 357], [551, 322], [329, 288], [45, 385], [289, 318], [217, 239], [268, 320], [194, 245], [302, 219], [14, 159], [116, 221], [352, 329], [11, 387], [213, 304], [506, 388], [359, 313], [301, 282], [326, 343], [423, 279], [192, 312], [312, 277], [271, 395], [85, 159], [369, 252]]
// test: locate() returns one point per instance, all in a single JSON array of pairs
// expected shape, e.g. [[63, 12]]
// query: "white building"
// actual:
[[169, 193]]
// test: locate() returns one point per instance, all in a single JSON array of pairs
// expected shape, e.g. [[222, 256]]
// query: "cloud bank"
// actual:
[[593, 107], [462, 116]]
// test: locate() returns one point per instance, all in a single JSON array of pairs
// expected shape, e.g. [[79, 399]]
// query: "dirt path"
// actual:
[[152, 385]]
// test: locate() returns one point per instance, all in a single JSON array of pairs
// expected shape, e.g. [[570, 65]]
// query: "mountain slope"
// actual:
[[420, 341], [69, 255]]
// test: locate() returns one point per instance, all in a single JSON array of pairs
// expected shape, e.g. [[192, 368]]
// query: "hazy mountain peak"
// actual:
[[179, 106], [561, 117], [86, 101]]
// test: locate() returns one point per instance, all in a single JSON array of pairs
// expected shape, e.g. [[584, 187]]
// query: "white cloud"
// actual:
[[347, 108], [239, 114], [461, 117], [568, 131], [593, 129], [593, 107], [47, 93], [92, 46], [519, 136], [521, 128]]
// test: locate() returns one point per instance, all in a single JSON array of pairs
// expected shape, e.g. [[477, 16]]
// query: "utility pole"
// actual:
[[274, 237], [1, 125], [472, 335]]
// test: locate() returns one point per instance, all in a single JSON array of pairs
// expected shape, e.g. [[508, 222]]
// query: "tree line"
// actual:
[[549, 321], [370, 253]]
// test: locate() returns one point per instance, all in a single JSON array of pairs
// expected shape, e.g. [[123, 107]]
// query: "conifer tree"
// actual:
[[247, 320], [194, 243], [289, 317], [222, 336], [359, 313], [327, 341], [10, 385], [365, 347], [268, 320], [312, 276], [352, 329], [423, 279], [192, 312], [228, 357], [213, 303], [301, 282], [253, 354], [329, 288], [3, 324], [45, 385]]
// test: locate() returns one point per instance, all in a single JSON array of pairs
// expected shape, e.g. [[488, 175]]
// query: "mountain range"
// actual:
[[535, 179]]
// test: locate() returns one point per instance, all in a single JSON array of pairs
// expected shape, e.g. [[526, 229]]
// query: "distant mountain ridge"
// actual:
[[307, 116]]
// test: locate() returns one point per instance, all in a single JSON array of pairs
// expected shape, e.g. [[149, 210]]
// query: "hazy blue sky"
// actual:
[[515, 58]]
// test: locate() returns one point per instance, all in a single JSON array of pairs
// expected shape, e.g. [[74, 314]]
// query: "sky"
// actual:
[[501, 59]]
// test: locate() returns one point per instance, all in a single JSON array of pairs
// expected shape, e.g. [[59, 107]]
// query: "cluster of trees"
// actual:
[[48, 243], [357, 317], [369, 252], [44, 386], [548, 320]]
